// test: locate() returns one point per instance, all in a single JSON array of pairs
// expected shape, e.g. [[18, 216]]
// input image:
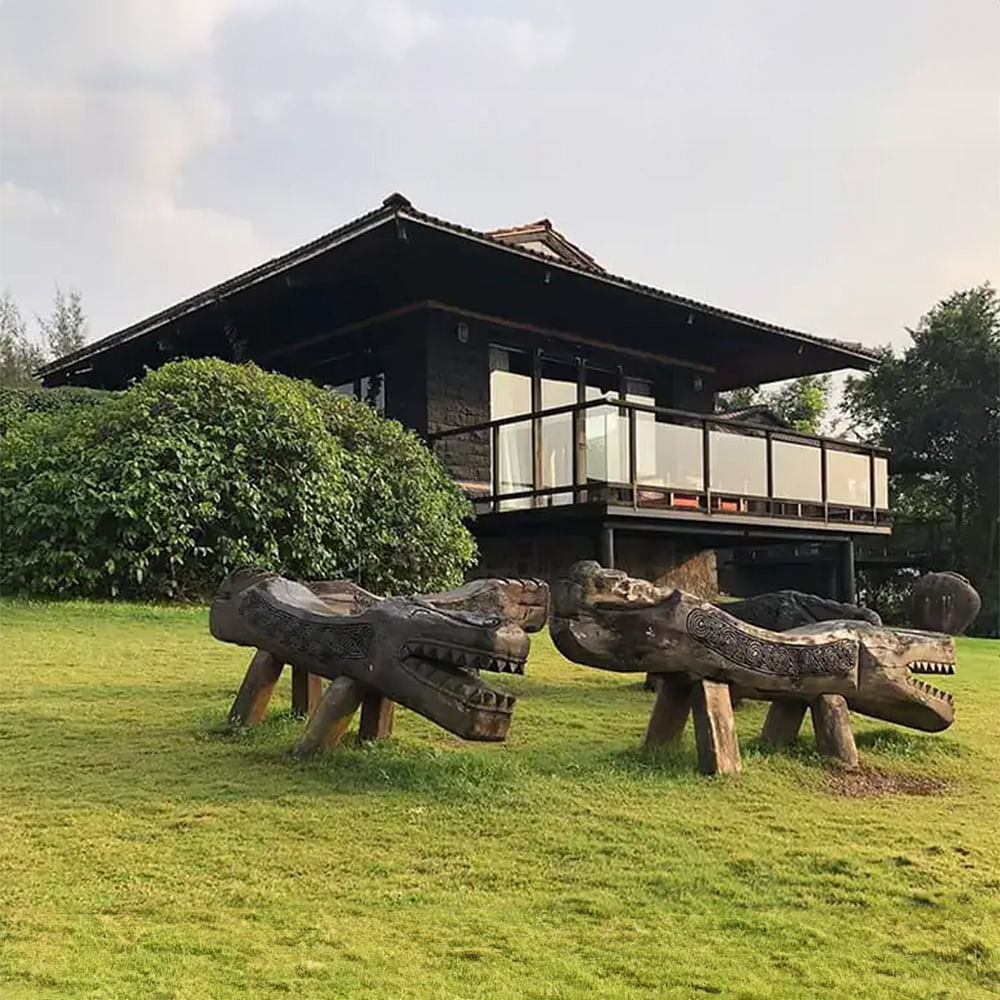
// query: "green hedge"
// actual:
[[17, 402], [159, 491]]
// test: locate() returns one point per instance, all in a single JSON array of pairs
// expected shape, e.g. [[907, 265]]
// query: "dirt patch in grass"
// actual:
[[868, 782]]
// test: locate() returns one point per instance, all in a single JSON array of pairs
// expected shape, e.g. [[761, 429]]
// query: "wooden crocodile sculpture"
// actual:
[[604, 618], [423, 652]]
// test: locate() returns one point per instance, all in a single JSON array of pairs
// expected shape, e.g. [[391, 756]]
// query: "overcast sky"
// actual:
[[831, 166]]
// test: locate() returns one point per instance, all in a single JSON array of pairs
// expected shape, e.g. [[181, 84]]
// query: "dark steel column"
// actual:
[[607, 548], [848, 590]]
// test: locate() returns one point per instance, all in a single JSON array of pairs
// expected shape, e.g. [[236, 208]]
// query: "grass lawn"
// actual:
[[143, 854]]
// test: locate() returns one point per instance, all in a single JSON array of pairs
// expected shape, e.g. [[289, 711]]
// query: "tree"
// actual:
[[19, 355], [800, 402], [937, 406], [65, 328]]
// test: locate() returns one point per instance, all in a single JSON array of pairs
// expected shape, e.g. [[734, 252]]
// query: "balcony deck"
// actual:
[[637, 463]]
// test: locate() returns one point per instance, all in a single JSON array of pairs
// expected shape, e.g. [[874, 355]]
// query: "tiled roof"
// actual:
[[542, 232], [853, 347], [397, 206]]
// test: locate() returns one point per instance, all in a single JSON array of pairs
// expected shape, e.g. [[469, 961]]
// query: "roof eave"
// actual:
[[866, 355], [396, 207], [223, 290]]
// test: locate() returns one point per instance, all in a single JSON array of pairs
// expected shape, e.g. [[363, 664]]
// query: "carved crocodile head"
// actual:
[[414, 652], [606, 619]]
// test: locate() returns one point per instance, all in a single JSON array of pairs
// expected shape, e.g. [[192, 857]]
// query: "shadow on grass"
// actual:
[[431, 771], [803, 750], [904, 745], [452, 771]]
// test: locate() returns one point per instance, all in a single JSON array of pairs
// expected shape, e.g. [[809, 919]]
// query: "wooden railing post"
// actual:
[[769, 452], [871, 483], [633, 458], [579, 455], [706, 465], [822, 481], [495, 450], [536, 459]]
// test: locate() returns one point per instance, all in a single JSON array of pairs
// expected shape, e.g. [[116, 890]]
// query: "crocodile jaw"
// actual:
[[887, 686]]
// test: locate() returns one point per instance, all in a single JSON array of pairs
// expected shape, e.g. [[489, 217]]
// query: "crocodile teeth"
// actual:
[[932, 691], [929, 667]]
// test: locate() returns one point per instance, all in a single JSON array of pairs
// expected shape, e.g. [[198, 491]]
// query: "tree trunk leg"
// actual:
[[376, 716], [670, 711], [651, 682], [715, 728], [738, 695], [332, 717], [254, 695], [832, 725], [307, 690], [784, 719]]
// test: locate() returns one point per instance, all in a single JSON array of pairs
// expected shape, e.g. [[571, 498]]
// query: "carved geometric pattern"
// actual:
[[327, 643], [719, 632]]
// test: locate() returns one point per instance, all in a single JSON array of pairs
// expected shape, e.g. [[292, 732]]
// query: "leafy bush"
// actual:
[[18, 401], [409, 515], [203, 466]]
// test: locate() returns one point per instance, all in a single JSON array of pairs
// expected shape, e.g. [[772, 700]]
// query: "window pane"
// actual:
[[373, 391], [639, 387], [739, 463], [510, 394], [882, 483], [557, 393], [601, 383], [847, 478], [510, 383], [797, 471]]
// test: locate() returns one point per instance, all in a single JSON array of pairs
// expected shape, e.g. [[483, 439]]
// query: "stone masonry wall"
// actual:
[[458, 394], [547, 556]]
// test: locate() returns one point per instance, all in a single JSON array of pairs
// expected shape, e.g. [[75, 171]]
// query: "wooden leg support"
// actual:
[[332, 718], [670, 711], [254, 695], [376, 716], [307, 690], [784, 719], [832, 725], [715, 728]]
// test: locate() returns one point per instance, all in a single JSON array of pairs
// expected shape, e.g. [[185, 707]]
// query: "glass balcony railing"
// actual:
[[630, 454]]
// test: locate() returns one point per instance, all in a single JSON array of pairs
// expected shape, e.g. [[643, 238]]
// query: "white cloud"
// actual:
[[771, 160], [524, 41], [105, 104], [393, 28], [24, 203]]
